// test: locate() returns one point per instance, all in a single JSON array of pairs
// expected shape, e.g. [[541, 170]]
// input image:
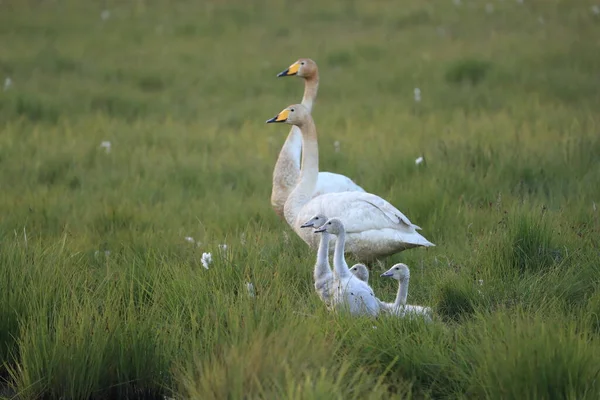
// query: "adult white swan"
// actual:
[[322, 274], [287, 167], [401, 273], [374, 227], [349, 293]]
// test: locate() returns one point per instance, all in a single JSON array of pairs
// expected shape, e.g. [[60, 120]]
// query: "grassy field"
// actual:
[[103, 296]]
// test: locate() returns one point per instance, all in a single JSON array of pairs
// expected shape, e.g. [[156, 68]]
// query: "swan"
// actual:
[[375, 227], [401, 273], [349, 292], [361, 272], [322, 274], [287, 167]]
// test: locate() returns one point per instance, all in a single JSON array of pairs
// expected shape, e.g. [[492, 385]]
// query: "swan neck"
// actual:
[[339, 263], [402, 292], [323, 252], [311, 88], [309, 172]]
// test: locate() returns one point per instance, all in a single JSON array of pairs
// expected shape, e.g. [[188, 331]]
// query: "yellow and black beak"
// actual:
[[281, 117], [291, 71]]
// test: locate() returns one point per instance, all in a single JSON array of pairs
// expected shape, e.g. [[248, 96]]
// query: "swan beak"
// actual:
[[307, 225], [291, 71], [386, 274], [281, 117], [319, 230]]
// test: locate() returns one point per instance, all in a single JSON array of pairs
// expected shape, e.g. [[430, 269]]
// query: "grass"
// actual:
[[102, 296]]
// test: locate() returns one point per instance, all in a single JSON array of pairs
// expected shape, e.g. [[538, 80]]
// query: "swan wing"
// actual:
[[358, 211]]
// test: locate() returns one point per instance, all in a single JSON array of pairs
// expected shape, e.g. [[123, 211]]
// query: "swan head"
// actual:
[[315, 222], [400, 272], [304, 68], [361, 272], [296, 114], [333, 226]]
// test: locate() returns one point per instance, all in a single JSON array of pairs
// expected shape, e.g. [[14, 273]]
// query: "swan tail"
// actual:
[[416, 239]]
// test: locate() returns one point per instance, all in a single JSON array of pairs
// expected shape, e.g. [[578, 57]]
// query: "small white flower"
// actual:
[[541, 20], [419, 160], [223, 247], [374, 327], [250, 288], [457, 2], [106, 146], [336, 146], [104, 15], [189, 239], [243, 239], [489, 8], [7, 83], [206, 260], [481, 282], [596, 9], [520, 1], [417, 92], [594, 206]]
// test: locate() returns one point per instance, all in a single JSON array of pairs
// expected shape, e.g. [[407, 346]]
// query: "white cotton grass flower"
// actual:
[[7, 83], [189, 239], [206, 260], [419, 160], [520, 1], [541, 20], [250, 289], [417, 93], [456, 2], [106, 146], [489, 8], [104, 15], [594, 206], [223, 247], [106, 253], [596, 9], [336, 146], [243, 239]]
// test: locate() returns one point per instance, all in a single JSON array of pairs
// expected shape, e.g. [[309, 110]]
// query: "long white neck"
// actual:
[[340, 267], [402, 292], [309, 172], [322, 267], [287, 168]]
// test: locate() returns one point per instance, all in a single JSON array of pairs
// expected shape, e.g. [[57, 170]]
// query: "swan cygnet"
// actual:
[[322, 274], [401, 273], [287, 167], [361, 272], [349, 293], [375, 228]]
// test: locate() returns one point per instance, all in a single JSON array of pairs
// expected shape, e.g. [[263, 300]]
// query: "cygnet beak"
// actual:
[[307, 224], [319, 230], [386, 274]]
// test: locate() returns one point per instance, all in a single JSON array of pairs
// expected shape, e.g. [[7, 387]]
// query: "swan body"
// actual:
[[349, 293], [399, 308], [322, 274], [287, 167], [374, 227]]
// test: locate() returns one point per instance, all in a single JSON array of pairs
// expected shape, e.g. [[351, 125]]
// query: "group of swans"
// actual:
[[374, 227], [347, 289]]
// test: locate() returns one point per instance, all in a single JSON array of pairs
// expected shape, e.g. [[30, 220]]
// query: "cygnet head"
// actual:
[[296, 114], [333, 226], [361, 272], [304, 68], [315, 222], [399, 272]]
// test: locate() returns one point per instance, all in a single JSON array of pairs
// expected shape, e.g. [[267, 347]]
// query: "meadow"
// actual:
[[103, 292]]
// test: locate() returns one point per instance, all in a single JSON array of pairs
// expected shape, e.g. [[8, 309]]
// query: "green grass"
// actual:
[[101, 296]]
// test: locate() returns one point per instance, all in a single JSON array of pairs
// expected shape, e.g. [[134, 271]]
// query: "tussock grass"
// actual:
[[103, 296]]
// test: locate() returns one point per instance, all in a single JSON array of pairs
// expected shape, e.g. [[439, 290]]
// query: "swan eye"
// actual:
[[397, 268], [329, 223], [292, 110], [302, 63]]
